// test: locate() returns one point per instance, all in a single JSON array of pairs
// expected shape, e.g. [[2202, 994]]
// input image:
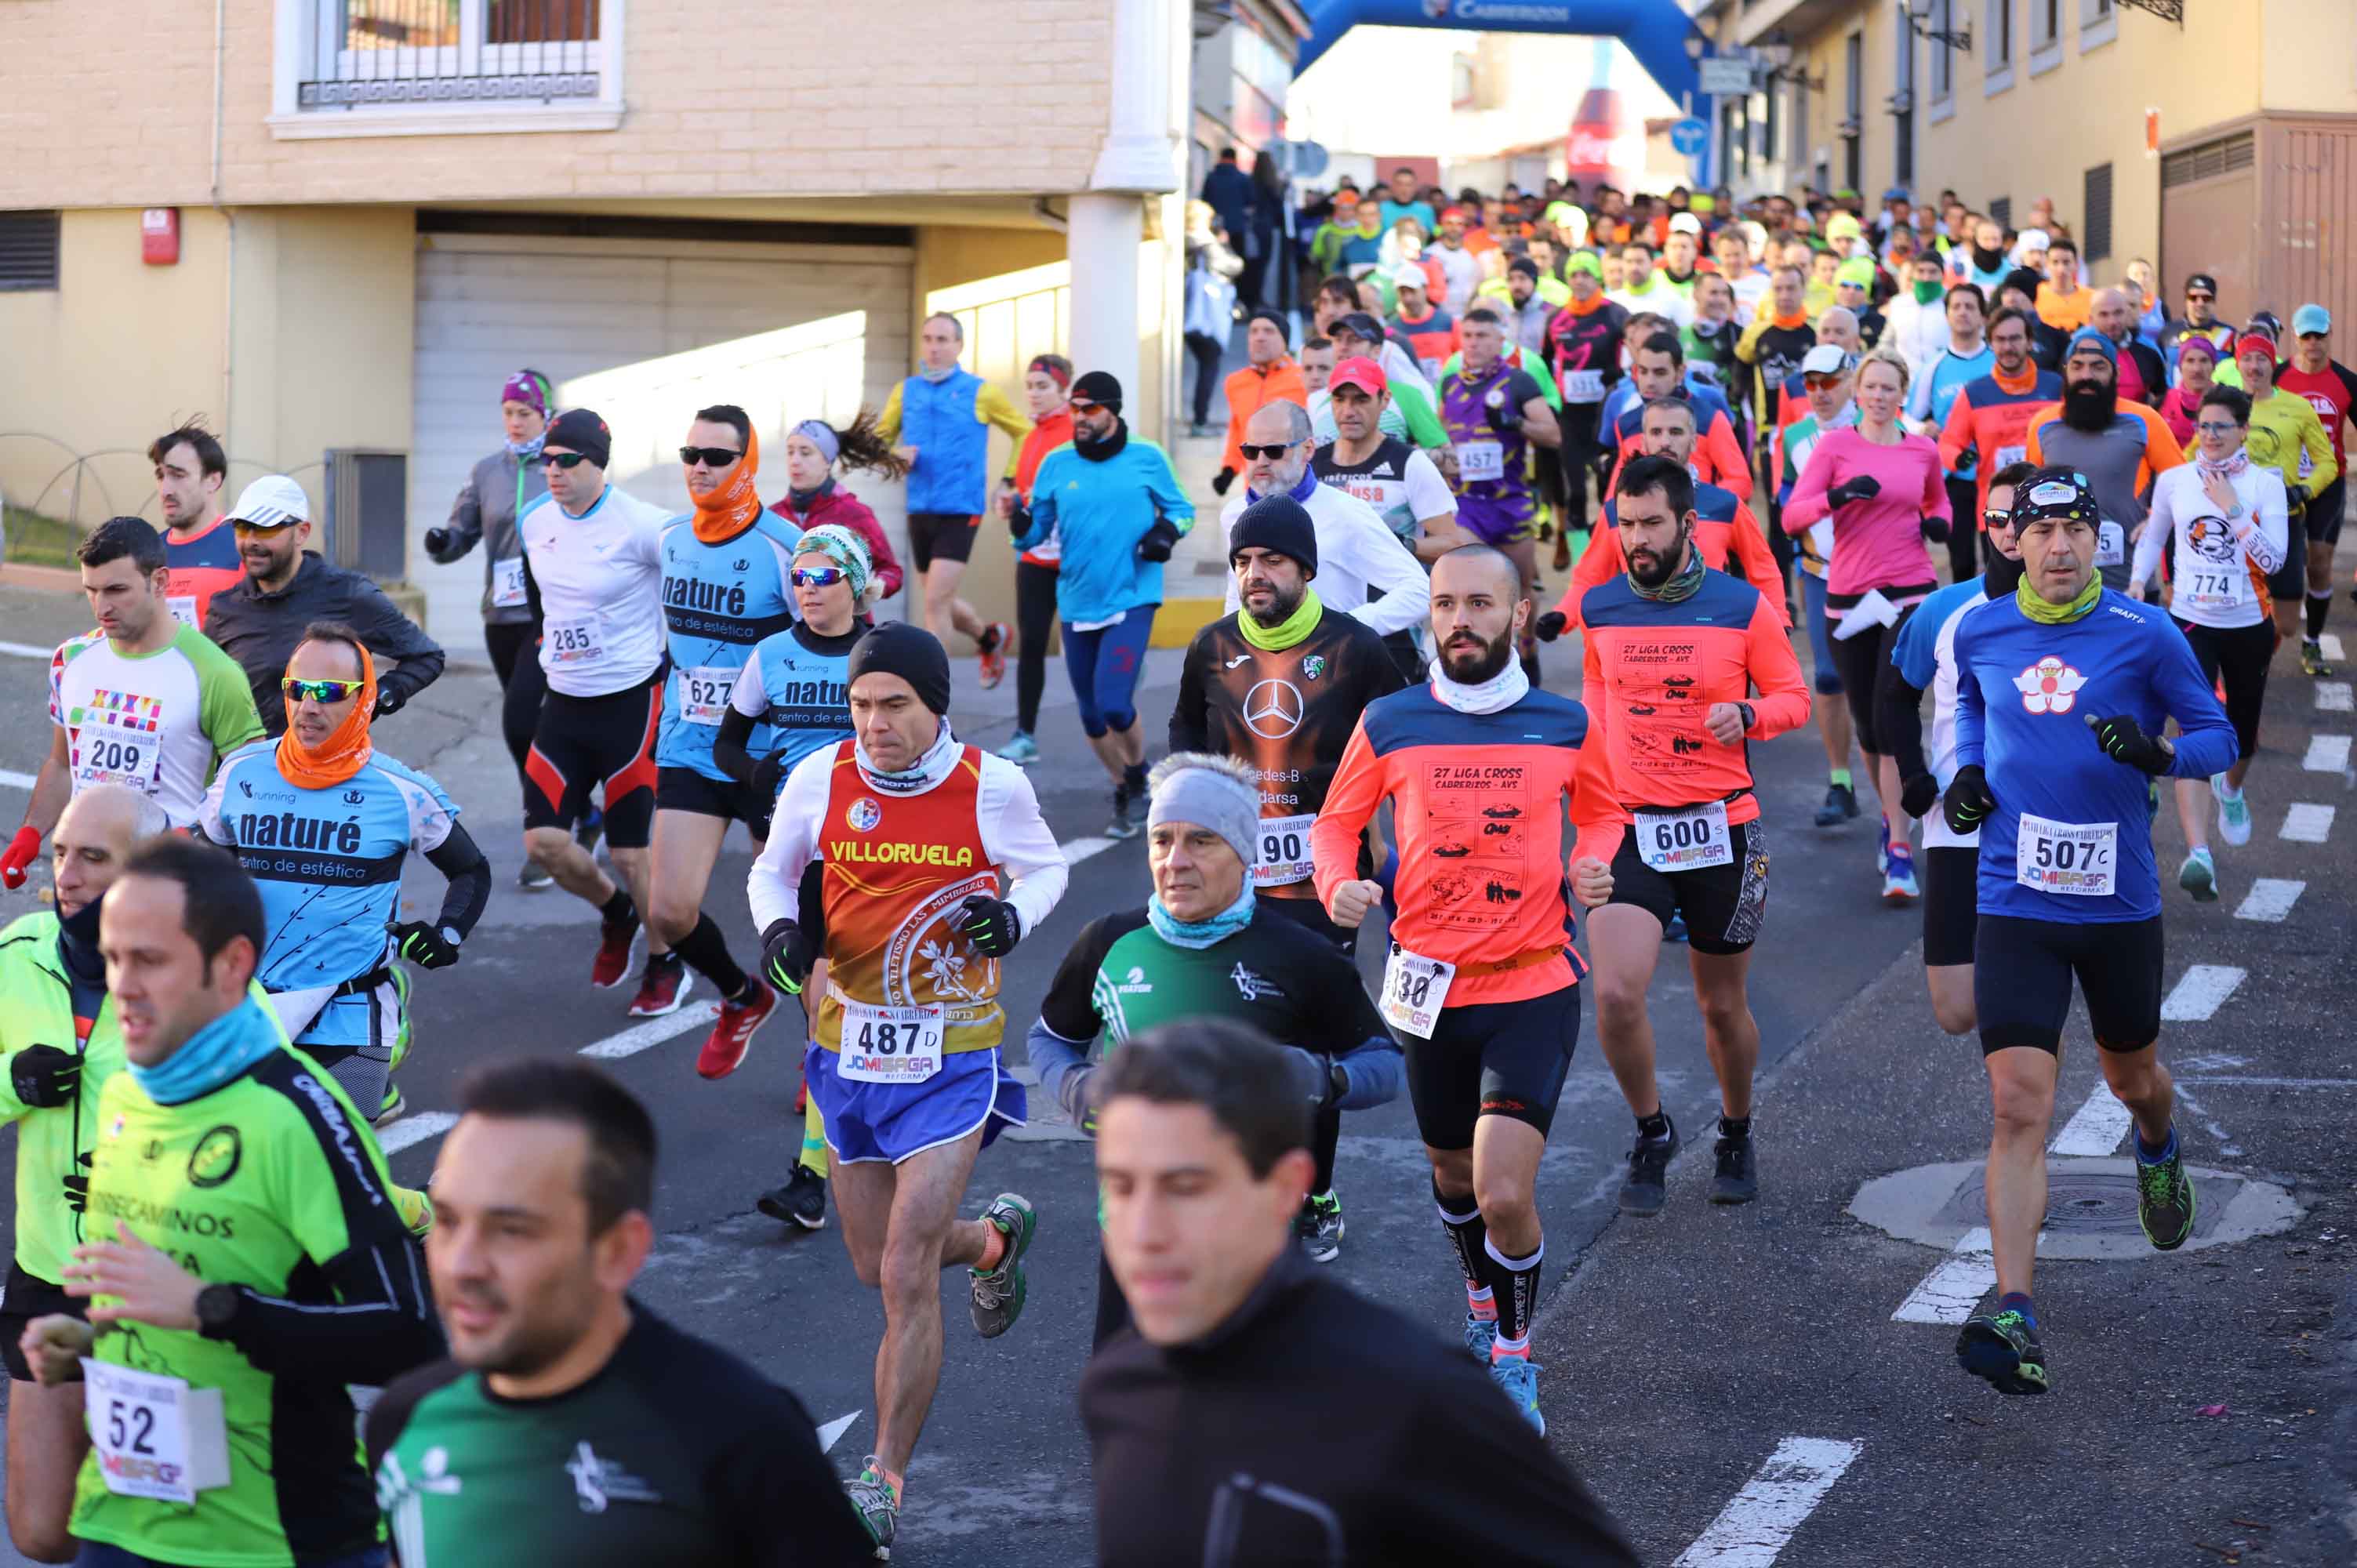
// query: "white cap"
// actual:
[[273, 500], [2033, 240], [1686, 223], [1827, 360], [1407, 274]]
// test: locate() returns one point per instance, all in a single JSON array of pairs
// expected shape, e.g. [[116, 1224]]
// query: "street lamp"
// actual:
[[1695, 45], [1776, 50], [1917, 15]]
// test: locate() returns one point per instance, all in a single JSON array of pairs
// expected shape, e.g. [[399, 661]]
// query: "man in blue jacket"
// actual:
[[1120, 509]]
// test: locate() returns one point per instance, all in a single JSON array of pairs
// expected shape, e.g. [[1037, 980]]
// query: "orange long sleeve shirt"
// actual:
[[1725, 530]]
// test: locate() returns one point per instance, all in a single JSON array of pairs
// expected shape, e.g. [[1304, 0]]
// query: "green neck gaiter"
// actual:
[[2045, 614], [1285, 633]]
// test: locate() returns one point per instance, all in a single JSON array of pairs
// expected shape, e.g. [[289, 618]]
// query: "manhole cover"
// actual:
[[2091, 1207]]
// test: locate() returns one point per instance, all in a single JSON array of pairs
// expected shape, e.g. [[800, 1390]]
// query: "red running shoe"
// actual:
[[662, 988], [993, 657], [615, 940], [732, 1033]]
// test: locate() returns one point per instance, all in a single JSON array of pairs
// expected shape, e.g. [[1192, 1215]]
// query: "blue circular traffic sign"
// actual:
[[1690, 135]]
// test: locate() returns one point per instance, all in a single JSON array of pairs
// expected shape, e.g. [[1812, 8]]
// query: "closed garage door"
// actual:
[[654, 328]]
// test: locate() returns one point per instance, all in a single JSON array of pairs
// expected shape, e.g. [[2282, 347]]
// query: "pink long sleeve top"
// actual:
[[1878, 541]]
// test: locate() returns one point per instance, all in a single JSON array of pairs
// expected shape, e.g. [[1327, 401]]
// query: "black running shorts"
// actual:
[[2021, 981], [685, 790], [1952, 903], [1495, 1058], [1725, 905], [941, 536], [606, 743]]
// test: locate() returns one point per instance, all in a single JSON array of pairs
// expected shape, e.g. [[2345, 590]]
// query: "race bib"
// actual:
[[1414, 990], [1480, 460], [1432, 368], [155, 1437], [890, 1045], [2111, 544], [184, 606], [2209, 586], [574, 641], [703, 693], [1583, 386], [108, 749], [1684, 841], [2009, 455], [2080, 859], [1283, 855], [507, 583]]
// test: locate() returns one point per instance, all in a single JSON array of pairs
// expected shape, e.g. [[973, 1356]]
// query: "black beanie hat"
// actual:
[[914, 654], [1277, 523], [1099, 387], [579, 430]]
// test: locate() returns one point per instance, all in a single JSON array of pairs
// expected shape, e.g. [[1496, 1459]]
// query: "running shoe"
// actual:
[[1841, 804], [732, 1033], [1882, 849], [1022, 751], [2233, 812], [1480, 1333], [2165, 1204], [533, 877], [2003, 1347], [998, 1295], [589, 830], [1899, 877], [877, 1505], [2199, 877], [1646, 1187], [392, 1107], [801, 1201], [1563, 550], [996, 639], [1123, 824], [615, 941], [1675, 931], [1736, 1181], [1318, 1227], [1519, 1377], [662, 988], [2312, 660]]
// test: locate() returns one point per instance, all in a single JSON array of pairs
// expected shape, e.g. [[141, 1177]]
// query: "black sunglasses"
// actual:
[[1271, 453], [565, 459], [710, 457]]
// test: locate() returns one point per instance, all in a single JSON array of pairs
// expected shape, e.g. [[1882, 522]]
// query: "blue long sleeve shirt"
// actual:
[[1100, 509], [2071, 838]]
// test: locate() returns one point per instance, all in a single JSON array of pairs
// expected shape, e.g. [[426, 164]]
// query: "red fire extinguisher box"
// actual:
[[159, 236]]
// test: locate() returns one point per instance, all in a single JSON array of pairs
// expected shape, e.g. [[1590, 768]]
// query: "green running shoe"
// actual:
[[2198, 876], [998, 1295], [877, 1505], [2003, 1347], [2165, 1200]]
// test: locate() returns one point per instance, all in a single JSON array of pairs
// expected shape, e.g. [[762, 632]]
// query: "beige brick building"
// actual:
[[384, 206]]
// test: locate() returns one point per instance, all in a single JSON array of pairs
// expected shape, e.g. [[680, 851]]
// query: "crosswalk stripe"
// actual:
[[16, 780], [2096, 1129], [2201, 992], [1759, 1522], [2307, 822], [2335, 697], [418, 1129], [2326, 754], [2269, 899], [2330, 642]]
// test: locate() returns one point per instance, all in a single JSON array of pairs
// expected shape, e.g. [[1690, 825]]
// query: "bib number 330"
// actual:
[[1415, 988]]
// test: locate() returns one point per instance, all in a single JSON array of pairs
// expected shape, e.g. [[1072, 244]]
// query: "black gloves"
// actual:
[[388, 702], [1222, 480], [2125, 742], [1312, 1075], [1549, 626], [1158, 539], [1863, 488], [1969, 801], [43, 1077], [78, 1193], [770, 776], [438, 539], [787, 956], [1917, 793], [425, 945], [1935, 529], [1504, 415], [990, 924], [1019, 522]]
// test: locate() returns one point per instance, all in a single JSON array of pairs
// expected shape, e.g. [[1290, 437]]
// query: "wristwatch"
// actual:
[[1749, 717], [217, 1308]]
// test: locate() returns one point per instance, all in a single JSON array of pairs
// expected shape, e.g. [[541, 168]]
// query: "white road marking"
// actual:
[[2236, 1078], [2226, 1144], [655, 1031], [2096, 1129], [1950, 1291], [834, 1429], [2269, 899], [26, 651], [415, 1128], [2335, 697], [2307, 822], [1759, 1522], [2201, 993], [2331, 642], [1078, 850], [2326, 754], [16, 780]]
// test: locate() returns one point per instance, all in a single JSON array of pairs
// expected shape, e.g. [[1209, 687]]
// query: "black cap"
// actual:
[[1361, 326], [2202, 279], [1098, 387], [579, 430], [2025, 279], [2055, 492], [1275, 318], [914, 654], [1525, 265], [1277, 523]]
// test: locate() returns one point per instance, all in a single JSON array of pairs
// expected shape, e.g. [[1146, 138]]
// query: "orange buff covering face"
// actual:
[[347, 749], [730, 510]]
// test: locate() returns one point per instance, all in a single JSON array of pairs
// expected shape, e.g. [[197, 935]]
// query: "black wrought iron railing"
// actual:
[[432, 52]]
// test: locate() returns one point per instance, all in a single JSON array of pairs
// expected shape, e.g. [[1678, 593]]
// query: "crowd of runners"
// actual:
[[1791, 465]]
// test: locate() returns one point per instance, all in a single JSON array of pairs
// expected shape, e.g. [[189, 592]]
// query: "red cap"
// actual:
[[1361, 372], [2250, 342], [1456, 212]]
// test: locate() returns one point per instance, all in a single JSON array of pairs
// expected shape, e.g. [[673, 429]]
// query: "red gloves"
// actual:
[[22, 851]]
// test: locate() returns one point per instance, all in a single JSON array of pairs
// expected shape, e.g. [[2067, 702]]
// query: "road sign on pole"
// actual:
[[1689, 136]]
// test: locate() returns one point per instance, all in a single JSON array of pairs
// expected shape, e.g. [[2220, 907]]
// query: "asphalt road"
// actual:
[[1732, 1382]]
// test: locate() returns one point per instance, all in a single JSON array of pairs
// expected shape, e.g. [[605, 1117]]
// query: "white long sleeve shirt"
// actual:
[[2220, 566], [1014, 837], [1357, 553]]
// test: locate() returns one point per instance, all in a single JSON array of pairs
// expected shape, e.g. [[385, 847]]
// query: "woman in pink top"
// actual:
[[2196, 358], [1884, 492]]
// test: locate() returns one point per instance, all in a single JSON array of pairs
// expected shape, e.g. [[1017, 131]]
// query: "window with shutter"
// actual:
[[29, 251], [2095, 240]]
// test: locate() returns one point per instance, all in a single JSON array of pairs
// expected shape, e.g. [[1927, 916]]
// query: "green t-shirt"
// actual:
[[37, 1008], [271, 1182], [675, 1455]]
